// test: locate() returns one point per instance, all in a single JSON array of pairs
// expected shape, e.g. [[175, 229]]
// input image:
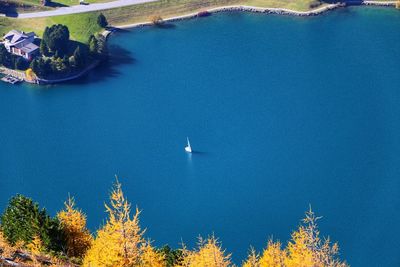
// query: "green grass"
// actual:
[[83, 25], [170, 8]]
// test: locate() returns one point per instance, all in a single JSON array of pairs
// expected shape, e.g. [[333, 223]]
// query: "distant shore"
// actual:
[[255, 9], [232, 8]]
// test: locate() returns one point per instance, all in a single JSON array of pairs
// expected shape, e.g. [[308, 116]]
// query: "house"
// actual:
[[21, 44]]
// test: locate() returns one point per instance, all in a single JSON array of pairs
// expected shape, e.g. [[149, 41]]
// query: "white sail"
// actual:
[[188, 148]]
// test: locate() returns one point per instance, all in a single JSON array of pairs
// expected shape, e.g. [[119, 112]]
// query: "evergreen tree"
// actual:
[[56, 39], [79, 58], [34, 66], [20, 63], [44, 50], [23, 220], [172, 257], [41, 67], [5, 57]]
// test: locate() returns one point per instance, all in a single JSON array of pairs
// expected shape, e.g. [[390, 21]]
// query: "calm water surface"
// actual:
[[282, 112]]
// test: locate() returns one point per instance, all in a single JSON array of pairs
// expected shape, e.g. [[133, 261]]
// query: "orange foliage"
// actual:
[[73, 223]]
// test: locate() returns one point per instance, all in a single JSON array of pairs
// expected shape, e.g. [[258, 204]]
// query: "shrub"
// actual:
[[20, 63], [41, 67], [314, 4], [157, 20], [102, 20]]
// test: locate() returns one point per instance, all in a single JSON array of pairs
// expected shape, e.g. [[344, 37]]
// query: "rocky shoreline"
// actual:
[[235, 8], [254, 9]]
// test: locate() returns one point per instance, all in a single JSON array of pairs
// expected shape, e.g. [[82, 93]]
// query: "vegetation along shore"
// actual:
[[87, 36], [31, 237]]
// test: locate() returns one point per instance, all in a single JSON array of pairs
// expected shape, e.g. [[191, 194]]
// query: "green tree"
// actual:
[[102, 20], [20, 63], [23, 220], [93, 45], [172, 257], [58, 65], [44, 50], [79, 57], [5, 57], [56, 38], [41, 67]]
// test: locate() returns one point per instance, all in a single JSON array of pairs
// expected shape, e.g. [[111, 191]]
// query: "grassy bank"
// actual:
[[170, 8], [82, 25]]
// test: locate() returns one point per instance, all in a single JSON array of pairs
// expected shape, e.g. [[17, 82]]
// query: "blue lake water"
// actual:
[[282, 112]]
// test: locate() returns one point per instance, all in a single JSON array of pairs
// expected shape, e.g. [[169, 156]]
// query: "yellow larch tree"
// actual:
[[119, 242], [306, 249], [6, 250], [35, 248], [273, 255], [299, 254], [150, 257], [73, 224], [208, 254], [324, 253], [252, 259]]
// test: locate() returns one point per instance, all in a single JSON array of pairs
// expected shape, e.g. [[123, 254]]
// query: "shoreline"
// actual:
[[252, 9], [86, 70], [232, 8], [235, 8]]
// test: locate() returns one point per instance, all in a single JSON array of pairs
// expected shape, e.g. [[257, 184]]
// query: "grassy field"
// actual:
[[22, 6], [170, 8], [82, 25]]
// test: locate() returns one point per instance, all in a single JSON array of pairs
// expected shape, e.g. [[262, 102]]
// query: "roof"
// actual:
[[29, 48], [14, 36]]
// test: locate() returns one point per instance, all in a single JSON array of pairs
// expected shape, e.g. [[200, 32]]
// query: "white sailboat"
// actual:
[[188, 148]]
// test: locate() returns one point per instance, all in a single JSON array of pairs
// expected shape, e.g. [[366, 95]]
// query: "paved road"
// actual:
[[122, 3], [82, 8]]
